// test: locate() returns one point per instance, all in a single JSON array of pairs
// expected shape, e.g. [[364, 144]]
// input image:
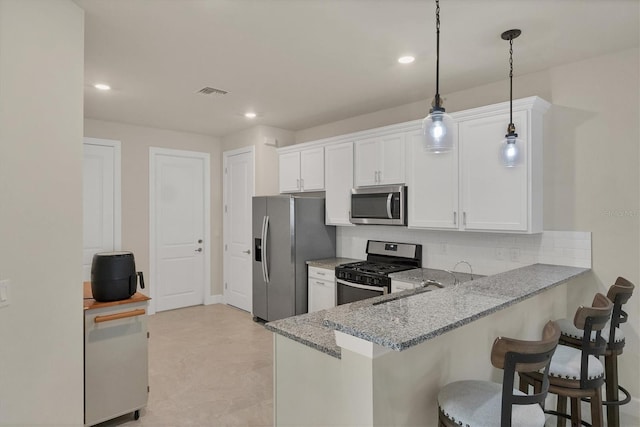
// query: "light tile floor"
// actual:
[[208, 366]]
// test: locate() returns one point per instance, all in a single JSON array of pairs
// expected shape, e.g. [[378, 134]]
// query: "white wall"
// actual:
[[41, 90], [266, 173], [591, 179], [136, 141]]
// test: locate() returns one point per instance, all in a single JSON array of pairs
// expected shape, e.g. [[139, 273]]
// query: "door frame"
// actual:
[[117, 184], [153, 152], [226, 232]]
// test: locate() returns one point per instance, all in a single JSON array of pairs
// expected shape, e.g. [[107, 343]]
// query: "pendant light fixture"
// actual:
[[437, 127], [511, 147]]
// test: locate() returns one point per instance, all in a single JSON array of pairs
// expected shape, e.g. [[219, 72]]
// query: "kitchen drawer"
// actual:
[[322, 294], [322, 273]]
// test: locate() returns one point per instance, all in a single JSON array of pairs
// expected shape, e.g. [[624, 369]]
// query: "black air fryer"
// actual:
[[114, 277]]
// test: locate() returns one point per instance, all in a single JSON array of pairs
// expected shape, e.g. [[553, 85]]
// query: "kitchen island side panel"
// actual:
[[399, 387], [306, 385]]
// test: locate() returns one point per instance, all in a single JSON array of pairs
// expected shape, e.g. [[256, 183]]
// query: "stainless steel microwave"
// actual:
[[384, 205]]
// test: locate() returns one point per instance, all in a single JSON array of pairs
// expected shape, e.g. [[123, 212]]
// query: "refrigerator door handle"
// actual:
[[265, 252], [263, 241]]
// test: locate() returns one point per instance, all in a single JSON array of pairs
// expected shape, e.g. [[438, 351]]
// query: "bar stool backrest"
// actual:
[[592, 319], [619, 293], [512, 355]]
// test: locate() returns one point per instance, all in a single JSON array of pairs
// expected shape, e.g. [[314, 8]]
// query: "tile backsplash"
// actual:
[[488, 253]]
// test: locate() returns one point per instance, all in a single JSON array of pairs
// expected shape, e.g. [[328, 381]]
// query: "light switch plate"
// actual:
[[5, 293]]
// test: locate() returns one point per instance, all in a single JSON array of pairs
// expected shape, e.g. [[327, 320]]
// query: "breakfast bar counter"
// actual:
[[382, 361]]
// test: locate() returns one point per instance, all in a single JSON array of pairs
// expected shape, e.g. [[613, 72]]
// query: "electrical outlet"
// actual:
[[501, 254], [514, 254]]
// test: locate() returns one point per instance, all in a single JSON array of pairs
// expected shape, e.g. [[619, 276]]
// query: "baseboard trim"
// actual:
[[213, 299]]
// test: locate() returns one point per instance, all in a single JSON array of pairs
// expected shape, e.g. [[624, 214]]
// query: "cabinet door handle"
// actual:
[[320, 283], [107, 318], [319, 273], [464, 218], [298, 183], [302, 184], [455, 218]]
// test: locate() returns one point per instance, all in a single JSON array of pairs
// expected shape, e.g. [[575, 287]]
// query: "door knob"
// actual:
[[199, 250], [248, 252]]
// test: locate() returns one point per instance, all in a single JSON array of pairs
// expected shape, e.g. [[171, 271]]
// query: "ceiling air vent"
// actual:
[[212, 91]]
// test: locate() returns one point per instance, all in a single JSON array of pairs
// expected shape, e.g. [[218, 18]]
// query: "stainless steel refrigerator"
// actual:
[[287, 232]]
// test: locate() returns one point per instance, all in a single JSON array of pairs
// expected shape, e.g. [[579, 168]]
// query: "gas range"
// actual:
[[365, 279], [369, 273]]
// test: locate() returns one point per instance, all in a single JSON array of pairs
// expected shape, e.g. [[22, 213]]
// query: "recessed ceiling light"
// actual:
[[250, 115], [102, 86], [406, 59]]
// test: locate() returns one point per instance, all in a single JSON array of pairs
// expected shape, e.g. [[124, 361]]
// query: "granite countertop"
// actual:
[[419, 275], [404, 319], [330, 263]]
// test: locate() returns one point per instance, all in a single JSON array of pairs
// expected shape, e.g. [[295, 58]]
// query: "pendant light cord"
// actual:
[[437, 100], [511, 81]]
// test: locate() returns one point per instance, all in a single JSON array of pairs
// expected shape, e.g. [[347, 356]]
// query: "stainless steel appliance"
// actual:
[[386, 205], [287, 232], [365, 279]]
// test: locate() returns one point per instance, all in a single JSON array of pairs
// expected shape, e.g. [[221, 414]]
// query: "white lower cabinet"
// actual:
[[116, 369], [322, 289], [397, 286]]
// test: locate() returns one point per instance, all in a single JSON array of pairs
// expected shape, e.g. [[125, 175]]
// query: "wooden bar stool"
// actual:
[[577, 373], [619, 293], [485, 403]]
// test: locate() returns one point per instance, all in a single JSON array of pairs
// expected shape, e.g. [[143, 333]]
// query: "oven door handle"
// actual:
[[389, 198], [365, 287]]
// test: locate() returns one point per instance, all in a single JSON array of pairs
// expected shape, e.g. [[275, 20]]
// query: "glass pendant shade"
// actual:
[[437, 129], [511, 151]]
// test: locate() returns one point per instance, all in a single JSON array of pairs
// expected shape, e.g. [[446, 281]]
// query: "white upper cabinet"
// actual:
[[493, 197], [380, 160], [290, 172], [432, 185], [469, 188], [338, 166], [302, 170]]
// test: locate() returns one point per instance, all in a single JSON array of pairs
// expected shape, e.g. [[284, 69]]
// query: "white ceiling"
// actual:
[[302, 63]]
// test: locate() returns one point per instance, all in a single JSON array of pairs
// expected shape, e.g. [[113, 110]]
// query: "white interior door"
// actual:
[[179, 228], [238, 190], [100, 200]]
